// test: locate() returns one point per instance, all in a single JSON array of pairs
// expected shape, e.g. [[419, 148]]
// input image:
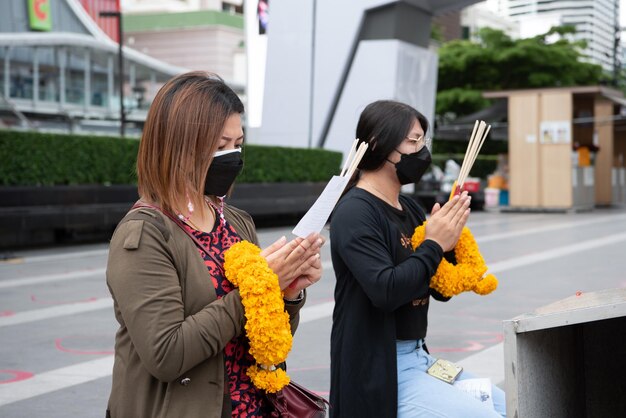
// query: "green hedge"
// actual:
[[32, 158], [288, 165]]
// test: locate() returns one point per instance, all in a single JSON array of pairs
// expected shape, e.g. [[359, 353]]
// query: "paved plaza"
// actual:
[[57, 326]]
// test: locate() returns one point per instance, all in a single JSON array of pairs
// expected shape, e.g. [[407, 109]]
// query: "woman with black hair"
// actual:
[[378, 356]]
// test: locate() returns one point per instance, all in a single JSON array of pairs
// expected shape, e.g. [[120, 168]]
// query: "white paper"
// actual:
[[555, 132], [478, 388], [316, 217]]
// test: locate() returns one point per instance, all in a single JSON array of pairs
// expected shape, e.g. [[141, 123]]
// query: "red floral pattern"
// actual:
[[247, 400]]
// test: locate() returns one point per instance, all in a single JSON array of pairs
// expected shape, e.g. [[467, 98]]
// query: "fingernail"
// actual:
[[317, 255], [320, 242], [283, 239]]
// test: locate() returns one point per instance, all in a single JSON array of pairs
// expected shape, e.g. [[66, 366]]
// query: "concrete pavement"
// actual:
[[57, 326]]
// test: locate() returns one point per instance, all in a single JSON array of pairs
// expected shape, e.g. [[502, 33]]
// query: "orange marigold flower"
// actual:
[[267, 324], [467, 274], [270, 381]]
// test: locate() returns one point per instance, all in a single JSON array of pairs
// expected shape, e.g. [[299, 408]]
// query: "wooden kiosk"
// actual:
[[544, 127]]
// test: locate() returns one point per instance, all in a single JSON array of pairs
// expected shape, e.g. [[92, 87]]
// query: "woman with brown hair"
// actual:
[[180, 350]]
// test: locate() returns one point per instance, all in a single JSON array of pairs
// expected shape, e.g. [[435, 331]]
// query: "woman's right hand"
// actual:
[[290, 260], [446, 223]]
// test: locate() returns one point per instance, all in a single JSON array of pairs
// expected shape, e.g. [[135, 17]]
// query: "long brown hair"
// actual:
[[180, 136]]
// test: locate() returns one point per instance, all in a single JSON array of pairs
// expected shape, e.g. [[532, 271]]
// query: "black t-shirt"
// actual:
[[371, 243], [411, 318]]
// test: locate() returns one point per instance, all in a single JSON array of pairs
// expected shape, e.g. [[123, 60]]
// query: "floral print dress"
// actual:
[[247, 400]]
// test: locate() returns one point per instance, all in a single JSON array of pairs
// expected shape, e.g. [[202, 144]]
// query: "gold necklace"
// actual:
[[194, 226], [191, 224], [385, 198]]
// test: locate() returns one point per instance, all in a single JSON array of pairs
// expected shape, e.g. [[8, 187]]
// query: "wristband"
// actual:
[[295, 301]]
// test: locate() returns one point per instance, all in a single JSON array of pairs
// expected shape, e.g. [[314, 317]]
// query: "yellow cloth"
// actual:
[[584, 157]]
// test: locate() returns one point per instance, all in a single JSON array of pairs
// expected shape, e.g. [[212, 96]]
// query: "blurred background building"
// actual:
[[195, 34], [60, 68], [485, 15], [59, 58], [596, 22]]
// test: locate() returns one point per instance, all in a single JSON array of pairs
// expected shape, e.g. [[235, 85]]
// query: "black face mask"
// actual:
[[412, 167], [222, 173]]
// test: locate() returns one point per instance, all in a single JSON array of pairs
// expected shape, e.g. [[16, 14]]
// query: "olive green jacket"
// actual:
[[173, 329]]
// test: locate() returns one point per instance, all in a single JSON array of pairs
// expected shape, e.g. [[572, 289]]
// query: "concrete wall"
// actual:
[[296, 103], [211, 49]]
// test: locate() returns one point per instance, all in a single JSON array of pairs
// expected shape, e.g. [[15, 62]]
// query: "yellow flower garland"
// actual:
[[267, 323], [467, 274]]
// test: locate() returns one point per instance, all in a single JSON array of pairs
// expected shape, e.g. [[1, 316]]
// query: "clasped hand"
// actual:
[[297, 263], [446, 223]]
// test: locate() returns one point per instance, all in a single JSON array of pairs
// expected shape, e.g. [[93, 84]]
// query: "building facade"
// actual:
[[483, 15], [207, 40], [59, 69], [196, 34], [596, 22]]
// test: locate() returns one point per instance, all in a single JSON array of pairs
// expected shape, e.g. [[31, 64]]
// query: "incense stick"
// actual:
[[469, 143], [346, 163], [468, 161], [476, 141], [480, 145], [357, 159]]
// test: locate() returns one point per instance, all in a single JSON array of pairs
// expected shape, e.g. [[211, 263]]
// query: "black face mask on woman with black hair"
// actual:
[[223, 171], [412, 167]]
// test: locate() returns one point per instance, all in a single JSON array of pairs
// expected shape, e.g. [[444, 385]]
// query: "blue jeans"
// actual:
[[421, 395]]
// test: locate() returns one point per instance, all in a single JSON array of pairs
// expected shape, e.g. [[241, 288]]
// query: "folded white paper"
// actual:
[[317, 216], [478, 388]]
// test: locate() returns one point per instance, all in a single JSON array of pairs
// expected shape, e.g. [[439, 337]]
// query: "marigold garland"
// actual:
[[467, 274], [267, 324]]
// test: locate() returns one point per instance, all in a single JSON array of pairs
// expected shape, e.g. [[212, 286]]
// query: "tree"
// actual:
[[496, 62]]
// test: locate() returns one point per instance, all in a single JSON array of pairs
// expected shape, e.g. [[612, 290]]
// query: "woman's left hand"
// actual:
[[290, 260], [311, 275]]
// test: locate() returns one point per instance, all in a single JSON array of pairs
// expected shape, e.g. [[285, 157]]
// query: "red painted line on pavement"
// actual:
[[7, 313], [34, 298], [472, 346], [58, 343], [17, 376]]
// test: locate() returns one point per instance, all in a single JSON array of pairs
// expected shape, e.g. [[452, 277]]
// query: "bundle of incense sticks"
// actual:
[[353, 159], [479, 134]]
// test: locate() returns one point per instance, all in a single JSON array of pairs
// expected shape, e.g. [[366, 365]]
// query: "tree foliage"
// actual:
[[494, 61]]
